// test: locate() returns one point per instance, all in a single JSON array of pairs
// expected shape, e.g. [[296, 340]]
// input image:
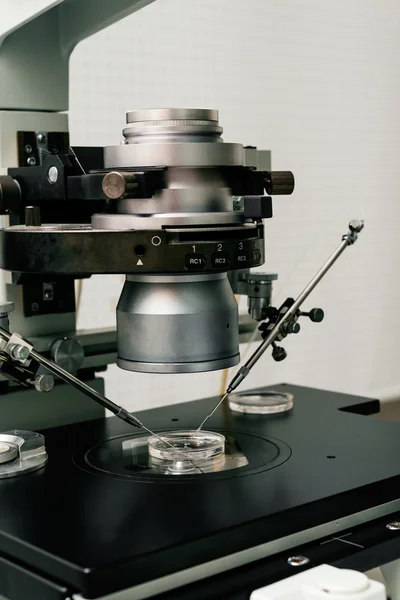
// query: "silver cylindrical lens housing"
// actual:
[[177, 324], [172, 124], [188, 322]]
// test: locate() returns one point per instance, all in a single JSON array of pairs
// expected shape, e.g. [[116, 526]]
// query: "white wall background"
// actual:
[[318, 83]]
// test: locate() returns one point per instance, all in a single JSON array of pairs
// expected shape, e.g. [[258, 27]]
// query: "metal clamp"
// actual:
[[18, 349]]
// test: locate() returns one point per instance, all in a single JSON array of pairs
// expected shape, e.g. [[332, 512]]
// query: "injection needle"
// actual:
[[212, 412]]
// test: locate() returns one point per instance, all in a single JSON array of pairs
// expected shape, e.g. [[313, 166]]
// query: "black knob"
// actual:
[[279, 183], [32, 216], [291, 327], [316, 315], [278, 353]]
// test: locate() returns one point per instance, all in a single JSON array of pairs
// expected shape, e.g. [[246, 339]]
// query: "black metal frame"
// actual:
[[372, 545]]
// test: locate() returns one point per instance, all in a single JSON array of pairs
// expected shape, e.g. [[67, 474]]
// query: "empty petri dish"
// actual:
[[260, 403], [187, 452]]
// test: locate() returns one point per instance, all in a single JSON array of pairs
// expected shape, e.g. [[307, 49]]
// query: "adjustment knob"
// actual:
[[44, 383], [32, 216], [278, 353], [117, 185], [356, 226], [279, 183], [68, 353], [316, 315], [291, 327]]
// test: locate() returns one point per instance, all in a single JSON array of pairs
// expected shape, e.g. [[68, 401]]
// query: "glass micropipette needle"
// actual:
[[212, 412]]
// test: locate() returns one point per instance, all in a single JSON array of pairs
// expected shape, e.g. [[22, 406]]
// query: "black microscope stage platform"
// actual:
[[88, 525]]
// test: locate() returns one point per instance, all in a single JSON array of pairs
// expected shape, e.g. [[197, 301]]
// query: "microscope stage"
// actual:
[[96, 524]]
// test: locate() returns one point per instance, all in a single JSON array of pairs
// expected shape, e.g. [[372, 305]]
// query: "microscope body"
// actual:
[[174, 208]]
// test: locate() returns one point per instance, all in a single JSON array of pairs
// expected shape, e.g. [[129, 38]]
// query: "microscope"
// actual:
[[156, 504]]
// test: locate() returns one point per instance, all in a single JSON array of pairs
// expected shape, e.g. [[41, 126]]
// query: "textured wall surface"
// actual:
[[316, 82]]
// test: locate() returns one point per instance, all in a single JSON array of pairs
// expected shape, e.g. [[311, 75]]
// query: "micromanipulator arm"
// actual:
[[283, 321], [289, 312]]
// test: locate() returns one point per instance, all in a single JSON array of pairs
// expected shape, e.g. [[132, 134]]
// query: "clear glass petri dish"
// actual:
[[188, 452], [260, 403]]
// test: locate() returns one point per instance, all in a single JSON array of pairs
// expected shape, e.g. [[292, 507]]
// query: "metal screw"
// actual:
[[41, 138], [20, 353], [356, 225], [52, 174], [35, 306], [395, 526], [31, 161], [44, 383], [297, 561], [28, 148]]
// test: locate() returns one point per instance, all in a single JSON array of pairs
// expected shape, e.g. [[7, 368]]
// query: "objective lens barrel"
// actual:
[[177, 324]]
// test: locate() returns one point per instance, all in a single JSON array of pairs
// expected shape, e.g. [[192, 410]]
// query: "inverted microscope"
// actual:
[[225, 497]]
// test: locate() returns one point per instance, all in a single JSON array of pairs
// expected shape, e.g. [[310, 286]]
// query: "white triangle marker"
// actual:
[[139, 262]]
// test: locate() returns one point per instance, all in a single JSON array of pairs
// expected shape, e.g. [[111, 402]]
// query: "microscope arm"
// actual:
[[34, 74]]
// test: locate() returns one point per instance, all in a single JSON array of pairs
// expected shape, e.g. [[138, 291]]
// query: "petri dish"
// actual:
[[186, 452], [260, 403], [8, 452]]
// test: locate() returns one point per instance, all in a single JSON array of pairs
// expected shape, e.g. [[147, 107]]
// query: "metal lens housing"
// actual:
[[182, 322], [177, 324]]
